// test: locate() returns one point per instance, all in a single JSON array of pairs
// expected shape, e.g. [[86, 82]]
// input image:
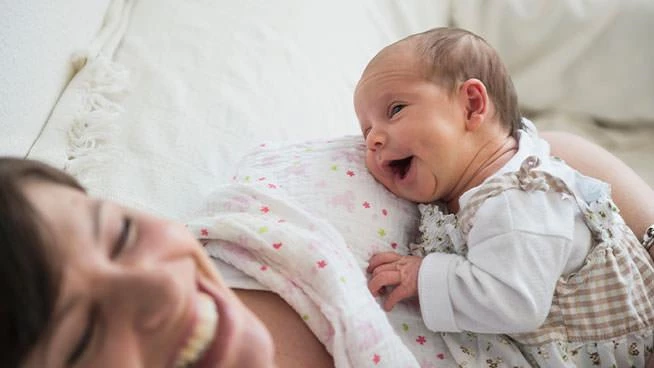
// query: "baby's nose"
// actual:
[[374, 140]]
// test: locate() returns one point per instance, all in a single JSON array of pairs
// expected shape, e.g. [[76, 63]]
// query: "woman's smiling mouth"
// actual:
[[203, 333]]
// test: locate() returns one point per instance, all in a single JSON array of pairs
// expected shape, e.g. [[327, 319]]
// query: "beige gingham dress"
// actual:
[[603, 314]]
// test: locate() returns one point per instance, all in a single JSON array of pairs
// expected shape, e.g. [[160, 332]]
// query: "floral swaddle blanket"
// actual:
[[307, 262]]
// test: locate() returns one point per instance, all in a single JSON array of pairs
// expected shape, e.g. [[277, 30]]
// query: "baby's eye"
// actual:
[[366, 132], [394, 109]]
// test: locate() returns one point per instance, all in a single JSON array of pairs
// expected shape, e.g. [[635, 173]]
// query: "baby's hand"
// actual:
[[392, 269]]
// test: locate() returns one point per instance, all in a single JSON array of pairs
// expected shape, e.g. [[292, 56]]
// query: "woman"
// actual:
[[91, 283], [630, 192], [95, 284]]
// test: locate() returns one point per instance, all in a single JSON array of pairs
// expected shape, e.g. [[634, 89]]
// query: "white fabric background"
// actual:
[[207, 83], [584, 57], [209, 80], [37, 41]]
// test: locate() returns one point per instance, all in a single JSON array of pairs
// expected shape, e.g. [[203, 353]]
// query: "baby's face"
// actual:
[[411, 126]]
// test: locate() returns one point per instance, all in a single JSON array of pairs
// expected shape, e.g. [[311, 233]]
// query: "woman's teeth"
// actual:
[[203, 332]]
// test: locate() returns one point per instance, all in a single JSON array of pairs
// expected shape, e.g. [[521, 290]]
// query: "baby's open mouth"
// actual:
[[401, 167]]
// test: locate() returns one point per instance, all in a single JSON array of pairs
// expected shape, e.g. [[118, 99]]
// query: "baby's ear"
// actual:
[[474, 98]]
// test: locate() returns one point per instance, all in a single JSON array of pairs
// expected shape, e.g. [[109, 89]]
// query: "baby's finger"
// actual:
[[383, 279], [381, 258], [384, 268], [398, 294]]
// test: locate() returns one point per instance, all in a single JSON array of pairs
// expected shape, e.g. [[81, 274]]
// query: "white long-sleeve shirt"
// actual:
[[519, 245]]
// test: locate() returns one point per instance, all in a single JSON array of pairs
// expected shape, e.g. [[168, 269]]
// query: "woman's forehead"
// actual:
[[67, 214]]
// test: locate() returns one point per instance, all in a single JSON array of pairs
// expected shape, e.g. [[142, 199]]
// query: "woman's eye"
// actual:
[[123, 237], [83, 343], [395, 109]]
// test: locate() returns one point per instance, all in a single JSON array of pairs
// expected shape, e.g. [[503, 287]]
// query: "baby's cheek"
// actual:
[[369, 160], [373, 167]]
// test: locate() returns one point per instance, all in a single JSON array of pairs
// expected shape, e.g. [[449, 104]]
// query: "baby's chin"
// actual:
[[412, 195], [398, 192]]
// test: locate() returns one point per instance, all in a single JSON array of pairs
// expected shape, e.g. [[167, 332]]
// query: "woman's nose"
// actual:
[[149, 296]]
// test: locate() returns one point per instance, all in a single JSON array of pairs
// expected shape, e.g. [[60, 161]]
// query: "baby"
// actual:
[[526, 246]]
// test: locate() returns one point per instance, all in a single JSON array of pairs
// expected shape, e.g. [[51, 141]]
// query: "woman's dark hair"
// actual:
[[28, 280]]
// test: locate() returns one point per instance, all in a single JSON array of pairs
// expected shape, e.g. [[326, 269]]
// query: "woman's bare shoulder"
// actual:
[[295, 344]]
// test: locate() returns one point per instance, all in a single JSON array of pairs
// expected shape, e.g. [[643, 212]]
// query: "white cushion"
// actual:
[[38, 41], [584, 57]]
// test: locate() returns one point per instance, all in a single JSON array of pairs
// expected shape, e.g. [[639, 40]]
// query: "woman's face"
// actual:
[[136, 291]]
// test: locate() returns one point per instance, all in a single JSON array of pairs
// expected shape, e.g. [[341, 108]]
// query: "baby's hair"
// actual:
[[454, 55], [28, 280]]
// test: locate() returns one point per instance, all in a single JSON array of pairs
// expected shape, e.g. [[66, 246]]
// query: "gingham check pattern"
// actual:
[[611, 295]]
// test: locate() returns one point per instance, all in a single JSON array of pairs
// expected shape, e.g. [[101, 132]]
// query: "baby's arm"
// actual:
[[517, 250], [630, 192]]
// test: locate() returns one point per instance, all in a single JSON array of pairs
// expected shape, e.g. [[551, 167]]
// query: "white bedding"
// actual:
[[37, 41], [576, 56], [208, 81]]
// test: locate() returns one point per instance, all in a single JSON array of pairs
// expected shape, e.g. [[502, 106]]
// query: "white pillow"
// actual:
[[329, 179]]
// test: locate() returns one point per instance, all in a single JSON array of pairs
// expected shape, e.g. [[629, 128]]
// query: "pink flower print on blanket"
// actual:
[[345, 200], [297, 168], [348, 155], [237, 203]]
